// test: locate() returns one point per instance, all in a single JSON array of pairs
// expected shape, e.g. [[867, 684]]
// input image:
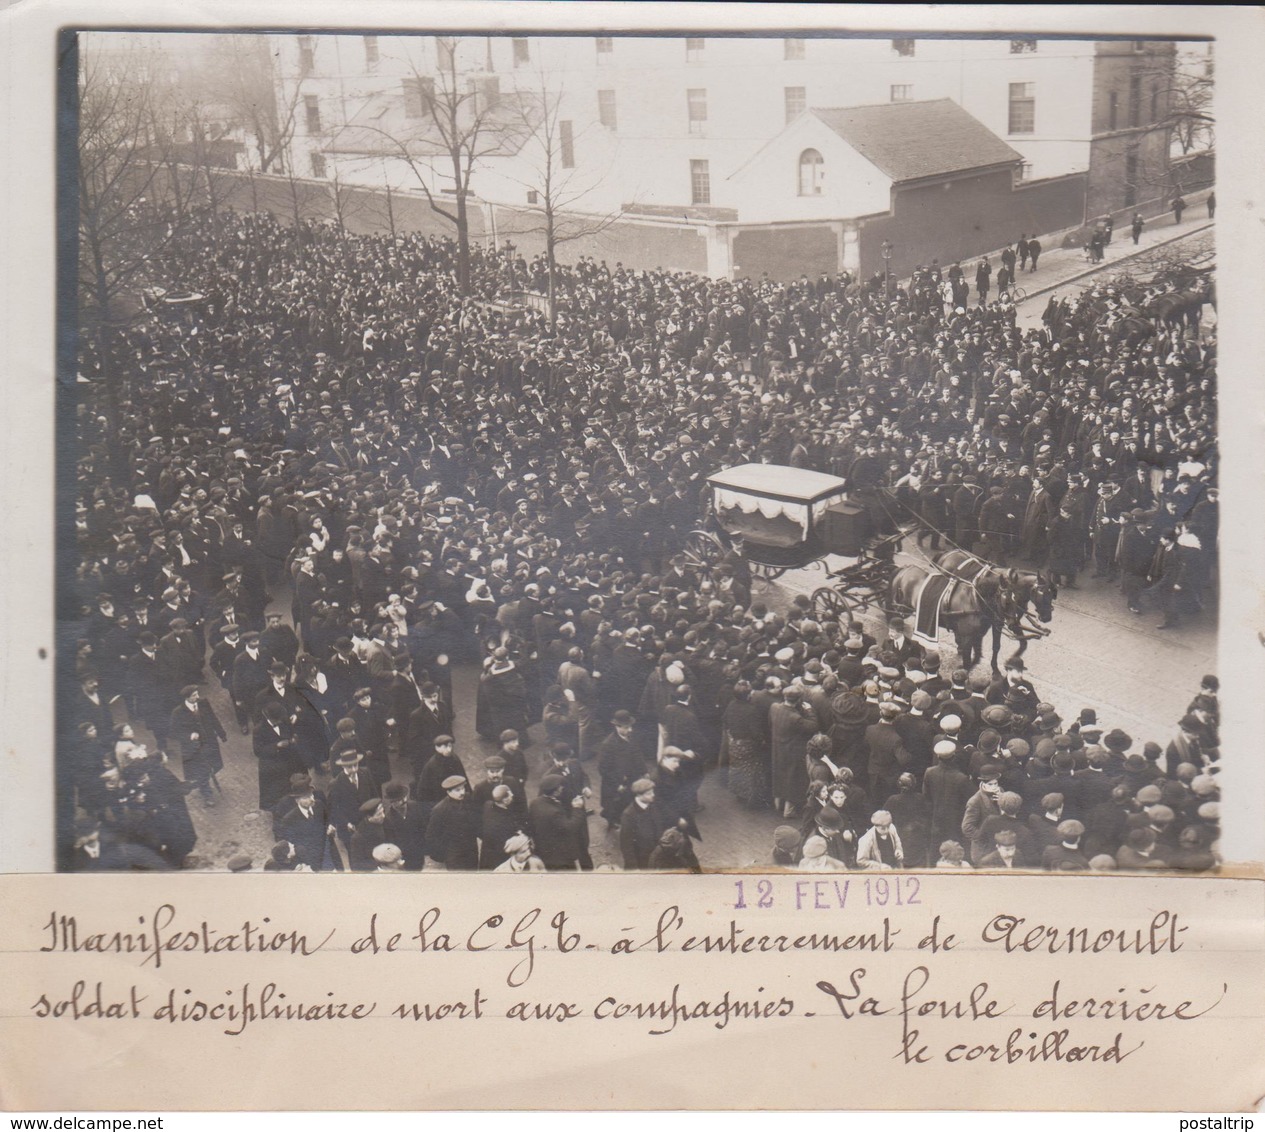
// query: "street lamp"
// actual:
[[887, 268], [509, 252]]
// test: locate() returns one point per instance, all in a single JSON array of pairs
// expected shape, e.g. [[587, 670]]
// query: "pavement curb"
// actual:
[[1098, 268]]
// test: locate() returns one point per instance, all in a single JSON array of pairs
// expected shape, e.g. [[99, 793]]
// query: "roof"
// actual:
[[776, 481], [911, 140]]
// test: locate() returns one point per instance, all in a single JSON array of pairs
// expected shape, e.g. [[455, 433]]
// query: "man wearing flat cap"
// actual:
[[948, 789], [1066, 855], [388, 858], [621, 761], [641, 824], [1005, 853], [452, 834], [496, 773], [248, 679]]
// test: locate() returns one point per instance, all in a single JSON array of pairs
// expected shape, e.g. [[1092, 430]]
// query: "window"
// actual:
[[796, 101], [486, 92], [522, 52], [1024, 46], [566, 145], [696, 104], [444, 53], [371, 53], [318, 163], [606, 109], [812, 173], [1135, 100], [307, 53], [419, 97], [312, 110], [605, 46], [1113, 110], [903, 47], [700, 183], [1025, 170], [1023, 108], [533, 197], [793, 49], [694, 50], [1139, 46], [902, 92]]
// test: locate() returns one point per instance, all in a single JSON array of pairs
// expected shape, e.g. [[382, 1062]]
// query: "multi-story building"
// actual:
[[667, 144]]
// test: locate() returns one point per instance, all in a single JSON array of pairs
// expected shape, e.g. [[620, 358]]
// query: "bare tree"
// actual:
[[134, 201], [459, 120], [242, 67], [346, 202], [553, 182], [1190, 106]]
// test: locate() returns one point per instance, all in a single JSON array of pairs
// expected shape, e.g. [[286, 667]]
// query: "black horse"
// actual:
[[997, 599]]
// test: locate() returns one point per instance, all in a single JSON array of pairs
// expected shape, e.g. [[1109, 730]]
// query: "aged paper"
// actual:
[[789, 991]]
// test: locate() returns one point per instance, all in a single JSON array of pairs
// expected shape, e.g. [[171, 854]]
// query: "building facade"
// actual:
[[652, 135]]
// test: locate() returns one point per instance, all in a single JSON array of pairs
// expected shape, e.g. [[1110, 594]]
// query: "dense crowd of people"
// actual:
[[434, 480]]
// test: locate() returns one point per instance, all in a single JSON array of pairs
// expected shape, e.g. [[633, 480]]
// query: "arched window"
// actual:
[[812, 173]]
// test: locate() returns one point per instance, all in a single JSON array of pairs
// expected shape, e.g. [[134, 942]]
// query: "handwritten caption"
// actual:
[[867, 957]]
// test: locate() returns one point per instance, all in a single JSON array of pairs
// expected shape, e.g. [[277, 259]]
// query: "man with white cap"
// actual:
[[388, 858], [520, 856], [880, 847]]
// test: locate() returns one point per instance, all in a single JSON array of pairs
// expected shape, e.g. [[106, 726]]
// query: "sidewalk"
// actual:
[[1059, 266]]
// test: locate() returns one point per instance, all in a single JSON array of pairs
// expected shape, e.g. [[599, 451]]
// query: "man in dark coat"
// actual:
[[306, 826], [198, 733], [888, 756], [275, 750], [561, 828], [432, 718], [641, 824], [452, 834], [500, 820], [1136, 553], [621, 761], [147, 699], [443, 764], [404, 824], [249, 678], [278, 642], [496, 775], [948, 789], [352, 788]]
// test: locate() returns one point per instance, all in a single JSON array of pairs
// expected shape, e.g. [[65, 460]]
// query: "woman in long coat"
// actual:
[[746, 736], [791, 725], [502, 699]]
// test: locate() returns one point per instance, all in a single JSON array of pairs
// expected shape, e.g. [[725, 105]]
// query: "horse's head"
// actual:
[[1042, 596], [1035, 589]]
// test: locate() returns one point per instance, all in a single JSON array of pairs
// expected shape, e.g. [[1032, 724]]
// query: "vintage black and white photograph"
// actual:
[[565, 452]]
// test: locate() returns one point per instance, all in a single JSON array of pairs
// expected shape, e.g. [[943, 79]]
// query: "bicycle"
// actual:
[[1013, 293]]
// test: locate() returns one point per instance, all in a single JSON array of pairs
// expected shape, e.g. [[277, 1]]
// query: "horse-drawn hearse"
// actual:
[[777, 519]]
